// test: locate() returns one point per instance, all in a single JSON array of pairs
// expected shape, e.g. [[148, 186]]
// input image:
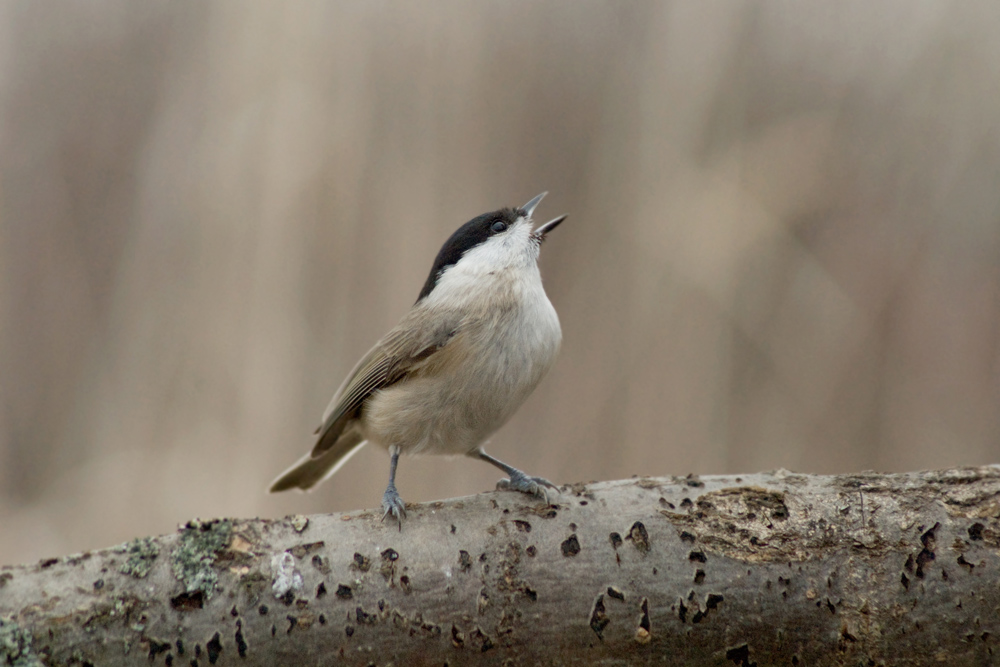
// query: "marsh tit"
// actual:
[[480, 337]]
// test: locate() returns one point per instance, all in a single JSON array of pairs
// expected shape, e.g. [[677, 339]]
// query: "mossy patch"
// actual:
[[141, 554], [15, 645], [196, 552]]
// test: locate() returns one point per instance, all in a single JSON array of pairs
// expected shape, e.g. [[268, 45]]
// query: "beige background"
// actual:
[[782, 248]]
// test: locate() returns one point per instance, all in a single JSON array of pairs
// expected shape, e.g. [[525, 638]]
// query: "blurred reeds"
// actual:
[[782, 248]]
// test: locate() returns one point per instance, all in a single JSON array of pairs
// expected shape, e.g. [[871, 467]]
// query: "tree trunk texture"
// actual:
[[766, 569]]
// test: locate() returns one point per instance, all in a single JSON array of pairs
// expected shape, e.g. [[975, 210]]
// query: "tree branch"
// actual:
[[763, 569]]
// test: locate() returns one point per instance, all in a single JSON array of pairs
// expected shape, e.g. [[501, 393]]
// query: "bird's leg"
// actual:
[[518, 481], [391, 502]]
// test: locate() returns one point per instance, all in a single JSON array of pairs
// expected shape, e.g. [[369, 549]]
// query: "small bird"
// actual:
[[473, 347]]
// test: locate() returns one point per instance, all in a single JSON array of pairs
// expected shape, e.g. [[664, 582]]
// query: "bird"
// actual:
[[472, 348]]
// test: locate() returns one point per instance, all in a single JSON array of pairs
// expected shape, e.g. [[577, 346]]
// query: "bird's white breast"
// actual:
[[508, 339]]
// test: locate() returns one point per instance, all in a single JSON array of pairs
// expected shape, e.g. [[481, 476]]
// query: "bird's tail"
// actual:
[[310, 471]]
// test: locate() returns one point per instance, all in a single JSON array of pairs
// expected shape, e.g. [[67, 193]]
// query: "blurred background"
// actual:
[[783, 247]]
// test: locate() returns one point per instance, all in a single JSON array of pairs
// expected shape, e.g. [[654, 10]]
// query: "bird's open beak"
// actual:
[[547, 227], [529, 208]]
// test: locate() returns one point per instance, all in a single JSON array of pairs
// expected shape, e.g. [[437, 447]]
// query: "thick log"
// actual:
[[764, 569]]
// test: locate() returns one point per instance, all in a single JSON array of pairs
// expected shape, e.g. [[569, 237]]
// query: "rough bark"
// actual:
[[767, 569]]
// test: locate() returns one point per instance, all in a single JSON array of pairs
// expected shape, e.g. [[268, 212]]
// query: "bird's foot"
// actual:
[[394, 505], [533, 486]]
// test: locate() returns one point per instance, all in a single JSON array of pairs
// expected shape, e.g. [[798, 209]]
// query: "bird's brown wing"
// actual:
[[404, 349]]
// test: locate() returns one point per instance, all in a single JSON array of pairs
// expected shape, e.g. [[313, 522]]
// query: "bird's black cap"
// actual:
[[465, 238]]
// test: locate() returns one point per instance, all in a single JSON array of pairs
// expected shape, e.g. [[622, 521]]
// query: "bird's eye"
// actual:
[[498, 226]]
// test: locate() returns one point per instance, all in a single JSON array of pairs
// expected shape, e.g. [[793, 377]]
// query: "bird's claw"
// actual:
[[533, 486], [394, 505]]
